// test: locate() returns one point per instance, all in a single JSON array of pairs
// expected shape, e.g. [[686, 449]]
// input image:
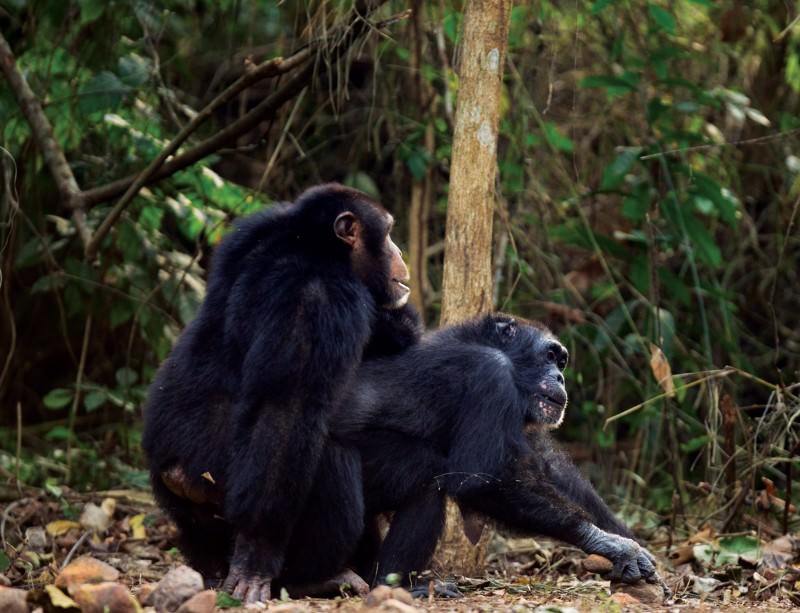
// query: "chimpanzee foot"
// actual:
[[346, 581], [247, 587], [441, 589]]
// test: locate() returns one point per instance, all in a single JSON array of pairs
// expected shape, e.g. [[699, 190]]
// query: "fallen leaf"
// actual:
[[59, 599], [61, 526], [137, 526]]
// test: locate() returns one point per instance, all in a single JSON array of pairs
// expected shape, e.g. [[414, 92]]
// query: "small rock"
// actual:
[[204, 602], [13, 600], [177, 586], [85, 570], [597, 564], [145, 593], [392, 604], [378, 595], [641, 591], [402, 595], [101, 597], [36, 538]]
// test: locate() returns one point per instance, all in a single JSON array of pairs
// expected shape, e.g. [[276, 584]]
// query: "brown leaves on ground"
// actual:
[[120, 557]]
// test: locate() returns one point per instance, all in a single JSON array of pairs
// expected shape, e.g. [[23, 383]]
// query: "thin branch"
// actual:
[[252, 75], [45, 139], [159, 168]]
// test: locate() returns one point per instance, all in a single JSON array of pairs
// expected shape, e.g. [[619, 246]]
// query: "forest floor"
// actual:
[[130, 548]]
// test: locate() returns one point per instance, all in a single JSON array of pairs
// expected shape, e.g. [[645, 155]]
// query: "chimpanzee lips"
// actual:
[[402, 285], [546, 409]]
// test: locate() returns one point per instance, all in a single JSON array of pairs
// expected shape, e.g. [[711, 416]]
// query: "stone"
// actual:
[[85, 570], [106, 596], [177, 586], [13, 600], [202, 602]]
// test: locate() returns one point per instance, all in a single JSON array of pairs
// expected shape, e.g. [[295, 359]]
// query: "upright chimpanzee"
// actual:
[[236, 423], [465, 413]]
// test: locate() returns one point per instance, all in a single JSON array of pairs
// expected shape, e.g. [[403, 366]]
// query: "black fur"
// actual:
[[242, 404], [465, 413]]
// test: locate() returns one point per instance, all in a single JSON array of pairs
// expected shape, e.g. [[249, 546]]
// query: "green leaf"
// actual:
[[615, 172], [48, 283], [614, 86], [703, 243], [58, 398], [5, 563], [58, 433], [226, 601], [599, 5], [557, 139], [94, 400], [696, 443], [133, 70], [126, 376], [91, 10], [102, 92], [121, 311], [663, 18], [735, 547]]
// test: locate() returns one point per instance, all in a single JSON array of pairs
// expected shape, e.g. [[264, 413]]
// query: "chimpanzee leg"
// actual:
[[205, 539], [326, 533], [412, 537]]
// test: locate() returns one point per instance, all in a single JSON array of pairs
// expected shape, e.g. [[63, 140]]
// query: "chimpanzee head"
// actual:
[[364, 227], [538, 360]]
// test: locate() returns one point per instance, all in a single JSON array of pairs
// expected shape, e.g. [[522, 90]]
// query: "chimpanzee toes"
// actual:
[[441, 589]]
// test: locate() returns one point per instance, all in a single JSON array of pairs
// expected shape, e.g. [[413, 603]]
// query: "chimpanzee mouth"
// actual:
[[546, 410], [401, 285]]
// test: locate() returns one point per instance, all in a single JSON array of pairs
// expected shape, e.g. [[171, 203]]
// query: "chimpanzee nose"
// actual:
[[560, 379]]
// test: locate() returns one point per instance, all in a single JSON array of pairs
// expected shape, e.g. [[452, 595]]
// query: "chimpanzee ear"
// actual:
[[347, 228], [507, 327]]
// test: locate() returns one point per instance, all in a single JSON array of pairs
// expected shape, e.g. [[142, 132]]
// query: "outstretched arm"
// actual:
[[528, 502]]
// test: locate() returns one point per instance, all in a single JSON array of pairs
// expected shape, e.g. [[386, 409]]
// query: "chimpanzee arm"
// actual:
[[526, 501], [293, 374], [568, 480]]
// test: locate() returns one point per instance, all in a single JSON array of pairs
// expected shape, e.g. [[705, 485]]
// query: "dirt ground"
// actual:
[[43, 532]]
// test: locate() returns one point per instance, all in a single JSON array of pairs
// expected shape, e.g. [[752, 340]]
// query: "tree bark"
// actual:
[[467, 279]]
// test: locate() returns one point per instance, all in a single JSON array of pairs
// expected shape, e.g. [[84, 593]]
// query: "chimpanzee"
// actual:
[[465, 413], [236, 423]]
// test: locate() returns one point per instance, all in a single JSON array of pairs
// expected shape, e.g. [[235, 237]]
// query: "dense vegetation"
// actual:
[[648, 189]]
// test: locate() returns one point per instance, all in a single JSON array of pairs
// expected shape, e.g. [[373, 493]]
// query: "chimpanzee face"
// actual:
[[398, 275], [539, 361], [375, 257]]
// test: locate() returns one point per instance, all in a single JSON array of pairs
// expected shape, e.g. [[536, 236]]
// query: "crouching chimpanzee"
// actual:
[[465, 413], [237, 419]]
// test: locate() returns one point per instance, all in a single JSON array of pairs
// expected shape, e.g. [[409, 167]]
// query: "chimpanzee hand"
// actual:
[[632, 562]]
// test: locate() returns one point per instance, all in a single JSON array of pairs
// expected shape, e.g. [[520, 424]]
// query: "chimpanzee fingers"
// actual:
[[625, 570]]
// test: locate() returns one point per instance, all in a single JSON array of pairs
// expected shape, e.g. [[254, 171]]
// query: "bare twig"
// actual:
[[77, 395], [45, 139], [77, 544]]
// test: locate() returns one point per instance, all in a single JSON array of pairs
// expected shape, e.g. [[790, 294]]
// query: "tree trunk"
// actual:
[[467, 279]]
